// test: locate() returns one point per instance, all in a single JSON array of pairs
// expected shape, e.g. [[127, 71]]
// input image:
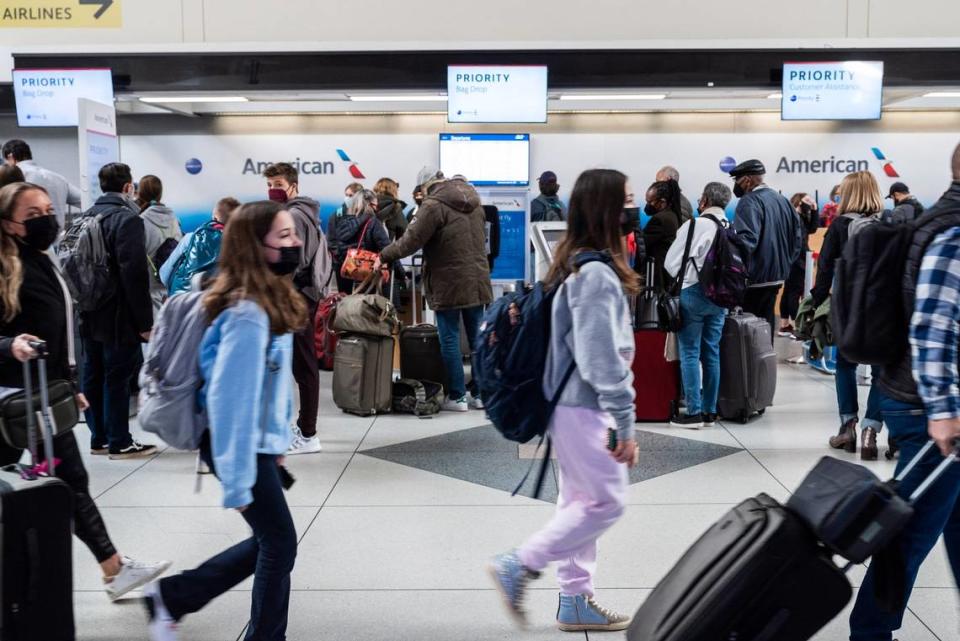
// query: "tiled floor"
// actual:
[[398, 516]]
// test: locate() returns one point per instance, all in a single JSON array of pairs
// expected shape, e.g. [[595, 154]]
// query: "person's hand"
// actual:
[[146, 335], [627, 452], [21, 347], [377, 263], [945, 432], [82, 402], [281, 460]]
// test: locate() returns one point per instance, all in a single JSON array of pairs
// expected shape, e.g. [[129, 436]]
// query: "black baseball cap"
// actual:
[[547, 177], [752, 167], [900, 188]]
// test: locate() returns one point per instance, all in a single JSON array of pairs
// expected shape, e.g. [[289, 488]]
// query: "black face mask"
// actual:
[[738, 190], [41, 232], [806, 209], [629, 220], [289, 260], [650, 210]]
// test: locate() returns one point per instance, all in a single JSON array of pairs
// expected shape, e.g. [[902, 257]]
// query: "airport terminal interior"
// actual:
[[404, 523]]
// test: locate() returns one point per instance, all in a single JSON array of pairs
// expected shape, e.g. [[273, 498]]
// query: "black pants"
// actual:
[[107, 371], [306, 371], [88, 525], [760, 301], [268, 555], [792, 292]]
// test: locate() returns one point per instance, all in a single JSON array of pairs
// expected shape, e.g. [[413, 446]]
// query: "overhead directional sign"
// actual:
[[60, 14]]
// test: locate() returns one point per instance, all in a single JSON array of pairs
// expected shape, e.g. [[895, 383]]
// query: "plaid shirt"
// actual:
[[935, 327]]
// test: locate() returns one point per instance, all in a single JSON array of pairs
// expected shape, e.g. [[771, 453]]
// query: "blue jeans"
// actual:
[[938, 511], [699, 340], [448, 326], [847, 401], [107, 372], [268, 555]]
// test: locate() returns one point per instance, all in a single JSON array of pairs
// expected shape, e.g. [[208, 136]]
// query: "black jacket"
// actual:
[[833, 243], [43, 313], [898, 380], [390, 213], [658, 235], [129, 313], [348, 232], [908, 210], [771, 229]]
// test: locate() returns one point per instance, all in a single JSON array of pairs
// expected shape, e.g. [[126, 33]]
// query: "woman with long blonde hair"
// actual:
[[861, 203], [245, 357], [35, 306]]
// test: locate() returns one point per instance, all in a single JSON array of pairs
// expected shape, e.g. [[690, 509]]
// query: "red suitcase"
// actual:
[[656, 381]]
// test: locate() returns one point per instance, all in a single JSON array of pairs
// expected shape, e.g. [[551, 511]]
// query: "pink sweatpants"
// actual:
[[593, 490]]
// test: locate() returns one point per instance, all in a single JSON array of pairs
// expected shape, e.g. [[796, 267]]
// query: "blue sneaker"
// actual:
[[581, 612], [511, 578]]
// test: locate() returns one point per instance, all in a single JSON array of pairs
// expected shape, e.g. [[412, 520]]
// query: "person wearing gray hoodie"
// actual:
[[161, 231], [312, 280], [592, 426]]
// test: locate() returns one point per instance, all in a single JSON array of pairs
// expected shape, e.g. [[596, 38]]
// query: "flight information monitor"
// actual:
[[487, 160], [48, 97]]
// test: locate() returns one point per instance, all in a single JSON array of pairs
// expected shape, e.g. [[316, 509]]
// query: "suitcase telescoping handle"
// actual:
[[935, 475], [46, 420]]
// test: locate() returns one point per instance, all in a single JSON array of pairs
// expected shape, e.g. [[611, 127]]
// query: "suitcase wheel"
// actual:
[[743, 417], [762, 412]]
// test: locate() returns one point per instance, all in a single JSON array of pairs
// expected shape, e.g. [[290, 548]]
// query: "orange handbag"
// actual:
[[359, 264]]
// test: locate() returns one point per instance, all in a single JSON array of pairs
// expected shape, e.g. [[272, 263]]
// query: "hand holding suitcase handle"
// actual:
[[949, 460], [45, 418]]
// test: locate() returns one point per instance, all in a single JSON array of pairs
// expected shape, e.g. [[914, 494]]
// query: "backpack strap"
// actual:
[[68, 304]]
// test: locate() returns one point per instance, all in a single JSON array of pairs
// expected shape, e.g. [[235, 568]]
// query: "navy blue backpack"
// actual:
[[510, 359]]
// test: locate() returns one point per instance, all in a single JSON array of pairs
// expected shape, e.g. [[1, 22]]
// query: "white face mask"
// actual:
[[346, 200]]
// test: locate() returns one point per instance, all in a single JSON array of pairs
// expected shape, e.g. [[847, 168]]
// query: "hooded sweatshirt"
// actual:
[[313, 275], [450, 227], [159, 225]]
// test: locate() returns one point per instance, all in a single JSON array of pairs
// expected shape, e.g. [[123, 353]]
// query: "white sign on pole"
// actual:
[[832, 90], [496, 94], [99, 145]]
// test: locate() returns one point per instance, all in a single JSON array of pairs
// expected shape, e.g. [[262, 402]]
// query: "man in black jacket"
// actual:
[[906, 207], [113, 333], [772, 233]]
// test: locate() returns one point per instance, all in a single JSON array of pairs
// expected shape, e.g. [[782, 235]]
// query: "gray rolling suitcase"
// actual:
[[363, 374], [748, 367]]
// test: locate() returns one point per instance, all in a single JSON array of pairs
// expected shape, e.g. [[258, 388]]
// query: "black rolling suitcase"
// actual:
[[36, 514], [420, 357], [748, 367], [758, 574]]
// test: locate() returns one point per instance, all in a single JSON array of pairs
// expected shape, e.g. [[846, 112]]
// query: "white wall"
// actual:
[[552, 22]]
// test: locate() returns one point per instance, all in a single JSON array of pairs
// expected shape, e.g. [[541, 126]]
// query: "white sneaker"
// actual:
[[455, 405], [202, 467], [162, 626], [475, 402], [132, 575], [303, 445]]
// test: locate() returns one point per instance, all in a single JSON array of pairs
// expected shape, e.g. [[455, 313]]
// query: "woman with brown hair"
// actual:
[[806, 209], [390, 207], [592, 426], [162, 233], [35, 305], [860, 203], [245, 358]]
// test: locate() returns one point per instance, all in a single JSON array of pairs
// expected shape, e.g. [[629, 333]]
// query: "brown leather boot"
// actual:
[[868, 444], [846, 438]]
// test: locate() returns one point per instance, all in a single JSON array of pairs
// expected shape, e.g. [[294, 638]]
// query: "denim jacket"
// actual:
[[247, 394]]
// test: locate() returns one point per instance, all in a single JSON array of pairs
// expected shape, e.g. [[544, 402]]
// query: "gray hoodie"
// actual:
[[312, 278], [159, 224], [591, 325]]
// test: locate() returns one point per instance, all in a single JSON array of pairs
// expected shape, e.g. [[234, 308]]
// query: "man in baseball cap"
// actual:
[[906, 206], [772, 233], [547, 207]]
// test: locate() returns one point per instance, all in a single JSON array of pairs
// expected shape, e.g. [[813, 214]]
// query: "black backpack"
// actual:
[[870, 313]]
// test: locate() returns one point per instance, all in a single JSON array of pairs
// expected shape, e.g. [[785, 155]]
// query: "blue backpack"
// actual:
[[510, 360], [200, 256]]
